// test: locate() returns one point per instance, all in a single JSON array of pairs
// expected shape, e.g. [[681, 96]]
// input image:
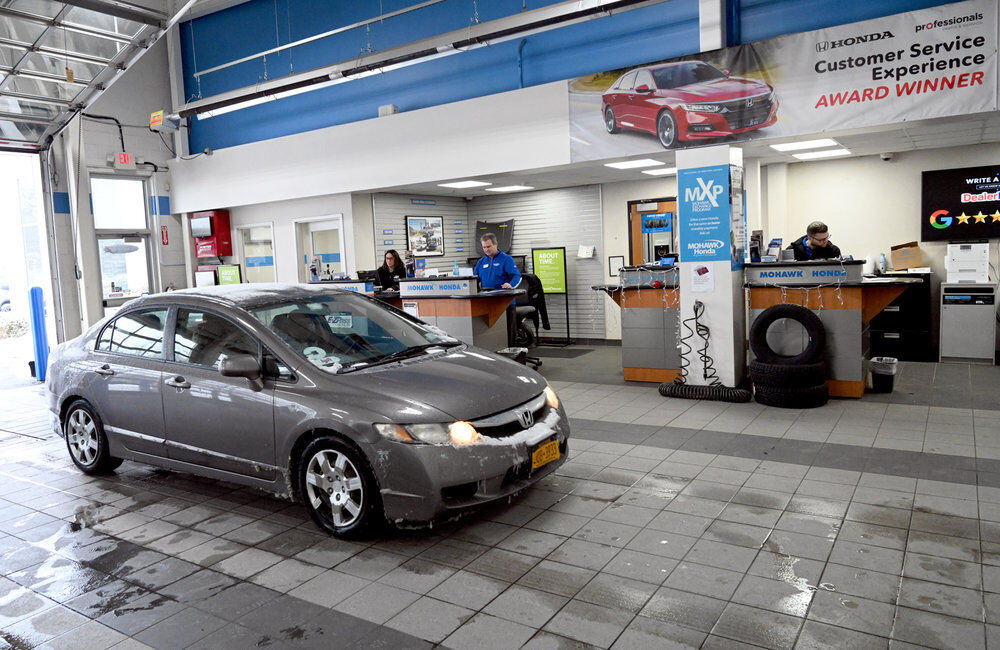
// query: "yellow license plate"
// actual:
[[546, 453]]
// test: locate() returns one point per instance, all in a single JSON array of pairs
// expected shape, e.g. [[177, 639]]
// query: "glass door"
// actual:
[[121, 222], [257, 250], [321, 243]]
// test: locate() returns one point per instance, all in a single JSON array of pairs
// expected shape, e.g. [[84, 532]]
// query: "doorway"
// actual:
[[121, 223], [24, 265], [320, 247], [652, 225], [256, 249]]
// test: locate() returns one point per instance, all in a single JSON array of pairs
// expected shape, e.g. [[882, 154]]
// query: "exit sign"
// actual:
[[124, 160]]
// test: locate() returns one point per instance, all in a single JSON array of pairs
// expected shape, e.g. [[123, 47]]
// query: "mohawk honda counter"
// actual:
[[844, 301]]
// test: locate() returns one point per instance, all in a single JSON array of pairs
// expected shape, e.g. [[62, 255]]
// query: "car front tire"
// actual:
[[609, 121], [666, 130], [86, 440], [339, 489]]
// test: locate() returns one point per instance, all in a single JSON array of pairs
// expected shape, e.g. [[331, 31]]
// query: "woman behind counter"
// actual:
[[392, 269]]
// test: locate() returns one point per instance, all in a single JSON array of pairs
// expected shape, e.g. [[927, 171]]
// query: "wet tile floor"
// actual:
[[685, 531]]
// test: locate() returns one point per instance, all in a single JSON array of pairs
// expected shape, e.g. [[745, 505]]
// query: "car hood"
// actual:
[[719, 90], [463, 383]]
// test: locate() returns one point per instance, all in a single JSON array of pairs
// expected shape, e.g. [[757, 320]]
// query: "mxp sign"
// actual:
[[703, 214]]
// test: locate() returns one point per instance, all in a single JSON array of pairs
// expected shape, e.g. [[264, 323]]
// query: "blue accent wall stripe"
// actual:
[[60, 202], [260, 260], [159, 204]]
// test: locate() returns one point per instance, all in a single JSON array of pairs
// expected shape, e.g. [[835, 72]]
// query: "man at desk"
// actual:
[[816, 245], [496, 269]]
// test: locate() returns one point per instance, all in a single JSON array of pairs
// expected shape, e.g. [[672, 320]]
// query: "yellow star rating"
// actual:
[[963, 218], [995, 216], [980, 218]]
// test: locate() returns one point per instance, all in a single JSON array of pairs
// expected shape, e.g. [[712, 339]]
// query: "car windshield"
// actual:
[[684, 74], [343, 332]]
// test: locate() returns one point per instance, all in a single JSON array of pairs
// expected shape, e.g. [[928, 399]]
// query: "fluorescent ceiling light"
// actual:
[[463, 185], [826, 153], [634, 164], [662, 171], [510, 188], [805, 144]]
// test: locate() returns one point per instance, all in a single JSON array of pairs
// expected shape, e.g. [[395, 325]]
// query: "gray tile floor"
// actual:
[[866, 523]]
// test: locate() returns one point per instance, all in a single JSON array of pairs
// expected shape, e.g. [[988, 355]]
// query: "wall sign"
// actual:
[[425, 236], [657, 222], [704, 213], [550, 267], [229, 274]]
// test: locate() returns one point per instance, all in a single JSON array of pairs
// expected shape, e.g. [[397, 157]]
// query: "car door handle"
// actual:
[[104, 370], [178, 382]]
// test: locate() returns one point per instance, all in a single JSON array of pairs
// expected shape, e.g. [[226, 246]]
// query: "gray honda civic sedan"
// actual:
[[363, 412]]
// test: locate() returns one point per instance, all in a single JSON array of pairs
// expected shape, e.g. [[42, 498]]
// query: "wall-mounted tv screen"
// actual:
[[201, 227], [960, 204]]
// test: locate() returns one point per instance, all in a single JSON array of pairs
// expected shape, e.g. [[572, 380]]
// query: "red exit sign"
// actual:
[[124, 160]]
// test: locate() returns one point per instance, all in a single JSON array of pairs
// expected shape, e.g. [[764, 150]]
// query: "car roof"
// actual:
[[240, 295]]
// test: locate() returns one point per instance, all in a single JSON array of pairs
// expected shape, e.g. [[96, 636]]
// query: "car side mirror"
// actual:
[[240, 365], [643, 89], [726, 72]]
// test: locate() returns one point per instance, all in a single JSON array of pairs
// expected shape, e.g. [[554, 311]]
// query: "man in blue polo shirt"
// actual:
[[496, 270]]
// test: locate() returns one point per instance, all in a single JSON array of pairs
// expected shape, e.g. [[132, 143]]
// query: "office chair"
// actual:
[[530, 306]]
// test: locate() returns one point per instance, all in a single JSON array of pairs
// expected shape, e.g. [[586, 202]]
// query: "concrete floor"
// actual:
[[865, 523]]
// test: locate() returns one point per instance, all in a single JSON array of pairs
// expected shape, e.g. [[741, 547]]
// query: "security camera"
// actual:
[[887, 156]]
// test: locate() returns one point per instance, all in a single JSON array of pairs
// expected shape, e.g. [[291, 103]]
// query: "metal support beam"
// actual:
[[26, 119], [25, 46], [121, 9], [40, 99]]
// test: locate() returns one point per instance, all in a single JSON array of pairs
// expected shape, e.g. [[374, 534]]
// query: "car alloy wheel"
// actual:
[[334, 488], [666, 129], [85, 439], [609, 120]]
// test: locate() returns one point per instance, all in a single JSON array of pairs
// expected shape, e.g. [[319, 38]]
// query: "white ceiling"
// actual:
[[924, 134]]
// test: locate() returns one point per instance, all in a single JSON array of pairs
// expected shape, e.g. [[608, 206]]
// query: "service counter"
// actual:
[[456, 305], [844, 301], [649, 300]]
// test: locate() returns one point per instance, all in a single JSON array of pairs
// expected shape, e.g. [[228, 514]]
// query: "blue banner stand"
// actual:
[[38, 333]]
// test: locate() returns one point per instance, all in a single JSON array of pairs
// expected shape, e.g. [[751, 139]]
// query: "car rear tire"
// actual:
[[339, 489], [666, 129], [86, 440], [609, 121]]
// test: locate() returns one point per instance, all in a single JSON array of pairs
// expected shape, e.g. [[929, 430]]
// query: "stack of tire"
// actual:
[[797, 381]]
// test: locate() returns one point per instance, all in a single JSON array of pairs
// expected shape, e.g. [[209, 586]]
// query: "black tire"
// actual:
[[666, 129], [86, 441], [346, 501], [787, 376], [813, 351], [792, 398], [610, 123]]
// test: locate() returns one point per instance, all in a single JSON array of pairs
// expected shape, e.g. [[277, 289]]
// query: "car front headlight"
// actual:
[[702, 108], [550, 397], [453, 433]]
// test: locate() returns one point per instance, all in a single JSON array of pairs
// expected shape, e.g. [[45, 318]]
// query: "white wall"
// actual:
[[871, 205], [521, 129], [614, 205], [282, 214]]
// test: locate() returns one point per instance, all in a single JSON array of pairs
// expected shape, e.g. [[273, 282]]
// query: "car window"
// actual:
[[137, 333], [205, 339], [666, 77], [643, 77], [625, 83], [338, 330]]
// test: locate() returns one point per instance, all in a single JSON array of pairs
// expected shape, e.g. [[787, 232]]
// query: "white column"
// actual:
[[709, 203], [88, 259]]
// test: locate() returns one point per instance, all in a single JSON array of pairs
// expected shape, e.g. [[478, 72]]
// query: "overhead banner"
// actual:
[[934, 62]]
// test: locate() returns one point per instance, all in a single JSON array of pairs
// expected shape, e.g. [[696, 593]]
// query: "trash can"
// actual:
[[883, 373]]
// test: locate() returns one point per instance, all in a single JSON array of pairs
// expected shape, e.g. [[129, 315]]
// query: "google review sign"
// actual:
[[703, 214]]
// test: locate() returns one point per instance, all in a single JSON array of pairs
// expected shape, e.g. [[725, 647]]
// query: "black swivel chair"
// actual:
[[530, 307]]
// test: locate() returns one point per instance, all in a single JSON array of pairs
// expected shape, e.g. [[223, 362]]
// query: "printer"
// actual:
[[968, 263]]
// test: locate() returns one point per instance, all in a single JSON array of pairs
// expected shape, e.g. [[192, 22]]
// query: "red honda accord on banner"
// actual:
[[689, 100]]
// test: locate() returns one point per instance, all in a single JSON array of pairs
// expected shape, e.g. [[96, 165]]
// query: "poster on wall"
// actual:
[[425, 236], [934, 62], [704, 223], [550, 267], [960, 204]]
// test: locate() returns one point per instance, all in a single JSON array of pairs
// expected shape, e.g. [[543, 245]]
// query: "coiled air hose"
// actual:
[[715, 390]]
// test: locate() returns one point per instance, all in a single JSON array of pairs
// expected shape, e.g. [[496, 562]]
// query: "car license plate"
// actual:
[[546, 453]]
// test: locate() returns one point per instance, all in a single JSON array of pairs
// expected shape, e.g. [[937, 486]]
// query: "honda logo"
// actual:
[[526, 418], [822, 46]]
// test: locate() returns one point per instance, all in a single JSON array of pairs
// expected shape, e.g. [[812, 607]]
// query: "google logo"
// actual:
[[940, 219]]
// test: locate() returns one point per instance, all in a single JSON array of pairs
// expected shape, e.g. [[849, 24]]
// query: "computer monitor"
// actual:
[[367, 276]]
